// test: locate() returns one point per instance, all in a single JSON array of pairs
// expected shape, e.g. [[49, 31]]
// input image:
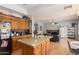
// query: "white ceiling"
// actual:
[[47, 12], [34, 6]]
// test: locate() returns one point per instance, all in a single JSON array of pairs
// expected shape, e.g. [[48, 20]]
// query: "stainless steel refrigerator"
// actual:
[[5, 38]]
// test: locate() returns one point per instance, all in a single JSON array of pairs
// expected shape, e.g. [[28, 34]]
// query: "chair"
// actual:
[[55, 38], [73, 50]]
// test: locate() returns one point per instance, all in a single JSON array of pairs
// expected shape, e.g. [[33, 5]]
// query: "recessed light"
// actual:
[[52, 23]]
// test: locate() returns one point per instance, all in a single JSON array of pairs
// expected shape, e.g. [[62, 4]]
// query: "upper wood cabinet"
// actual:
[[27, 23], [0, 17], [23, 24], [14, 23], [5, 18]]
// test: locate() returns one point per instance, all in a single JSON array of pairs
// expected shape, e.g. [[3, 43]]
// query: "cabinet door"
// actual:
[[27, 24], [27, 50], [37, 50], [44, 48], [14, 23], [5, 18], [0, 17], [48, 45], [23, 25], [17, 52], [20, 24], [15, 45]]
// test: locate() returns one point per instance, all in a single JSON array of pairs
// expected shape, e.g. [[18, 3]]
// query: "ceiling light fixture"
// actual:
[[52, 23]]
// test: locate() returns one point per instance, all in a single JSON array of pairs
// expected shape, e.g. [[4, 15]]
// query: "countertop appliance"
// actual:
[[5, 38]]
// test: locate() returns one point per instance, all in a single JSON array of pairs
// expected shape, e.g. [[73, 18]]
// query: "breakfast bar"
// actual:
[[31, 46]]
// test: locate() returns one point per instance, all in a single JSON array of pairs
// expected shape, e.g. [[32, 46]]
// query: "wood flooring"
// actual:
[[59, 48]]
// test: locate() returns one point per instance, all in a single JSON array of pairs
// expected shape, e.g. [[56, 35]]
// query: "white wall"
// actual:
[[62, 26], [15, 7], [51, 27], [39, 24], [10, 12], [33, 28], [63, 31], [48, 26]]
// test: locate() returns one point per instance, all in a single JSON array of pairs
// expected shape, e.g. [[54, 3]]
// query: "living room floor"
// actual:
[[60, 48]]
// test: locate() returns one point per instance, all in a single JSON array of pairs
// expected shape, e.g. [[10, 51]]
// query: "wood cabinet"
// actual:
[[14, 44], [27, 50], [5, 18], [14, 23], [17, 52], [37, 50], [44, 48], [41, 49], [16, 47], [47, 45], [0, 17], [27, 24], [22, 24]]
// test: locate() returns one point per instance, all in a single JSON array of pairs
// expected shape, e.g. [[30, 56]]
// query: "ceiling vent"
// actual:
[[69, 6]]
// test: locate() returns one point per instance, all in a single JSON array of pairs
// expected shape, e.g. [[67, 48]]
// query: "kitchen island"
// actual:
[[31, 46]]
